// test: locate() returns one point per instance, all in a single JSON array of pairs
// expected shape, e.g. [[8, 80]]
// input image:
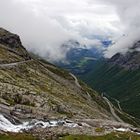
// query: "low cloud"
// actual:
[[44, 25], [129, 13]]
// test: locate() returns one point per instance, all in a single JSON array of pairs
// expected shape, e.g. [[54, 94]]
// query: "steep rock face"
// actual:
[[13, 43], [130, 60]]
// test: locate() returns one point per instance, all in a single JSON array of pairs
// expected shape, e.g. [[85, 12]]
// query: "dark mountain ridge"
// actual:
[[119, 78], [129, 60], [12, 42]]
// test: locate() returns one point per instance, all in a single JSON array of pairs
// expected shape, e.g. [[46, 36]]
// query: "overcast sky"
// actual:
[[44, 25]]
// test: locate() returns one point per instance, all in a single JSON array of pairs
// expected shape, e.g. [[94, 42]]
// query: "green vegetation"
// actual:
[[99, 130], [63, 73], [7, 56], [112, 136], [127, 118], [18, 136], [94, 95], [118, 83], [85, 62]]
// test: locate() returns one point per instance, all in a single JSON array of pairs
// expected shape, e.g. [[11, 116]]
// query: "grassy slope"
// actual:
[[79, 66], [7, 56], [112, 136], [55, 87], [119, 83], [18, 136]]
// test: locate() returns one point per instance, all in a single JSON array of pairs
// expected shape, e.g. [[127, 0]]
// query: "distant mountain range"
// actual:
[[119, 77]]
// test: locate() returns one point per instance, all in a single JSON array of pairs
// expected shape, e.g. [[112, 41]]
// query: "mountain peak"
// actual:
[[3, 31], [13, 43], [130, 60]]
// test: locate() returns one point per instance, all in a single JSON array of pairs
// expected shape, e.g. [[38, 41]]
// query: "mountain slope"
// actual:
[[119, 79], [35, 89], [43, 100]]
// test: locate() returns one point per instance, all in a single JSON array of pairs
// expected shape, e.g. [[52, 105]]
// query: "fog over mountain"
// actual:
[[129, 13], [44, 25]]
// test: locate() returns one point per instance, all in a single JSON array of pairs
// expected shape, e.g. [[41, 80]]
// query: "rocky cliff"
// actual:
[[129, 60]]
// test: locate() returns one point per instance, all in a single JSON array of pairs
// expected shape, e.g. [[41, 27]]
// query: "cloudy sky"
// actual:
[[44, 25]]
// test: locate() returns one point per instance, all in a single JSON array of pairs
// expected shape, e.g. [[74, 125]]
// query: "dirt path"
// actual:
[[112, 110], [14, 64], [76, 80]]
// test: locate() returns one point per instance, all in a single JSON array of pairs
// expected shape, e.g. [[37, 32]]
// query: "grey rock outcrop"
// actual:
[[13, 43], [129, 60]]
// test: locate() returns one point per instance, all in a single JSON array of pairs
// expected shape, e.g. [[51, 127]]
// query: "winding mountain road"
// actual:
[[118, 103], [77, 83], [112, 110], [76, 80], [14, 64]]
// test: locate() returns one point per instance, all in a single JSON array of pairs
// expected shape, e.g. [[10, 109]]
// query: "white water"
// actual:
[[6, 125], [122, 129]]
